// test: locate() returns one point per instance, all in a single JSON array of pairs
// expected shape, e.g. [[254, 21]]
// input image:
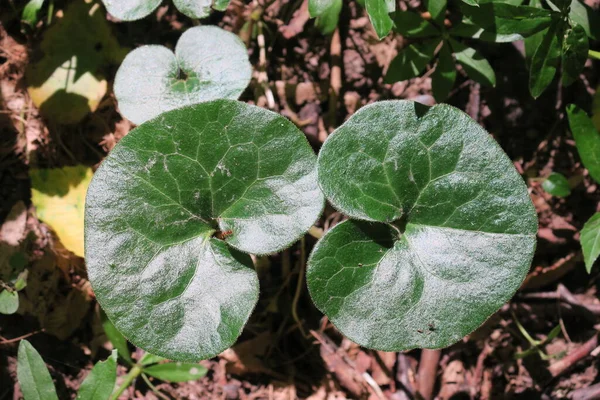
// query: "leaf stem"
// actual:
[[594, 54], [299, 287], [129, 378]]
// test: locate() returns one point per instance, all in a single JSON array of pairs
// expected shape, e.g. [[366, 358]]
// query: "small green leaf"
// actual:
[[329, 17], [193, 186], [545, 60], [501, 22], [574, 54], [317, 8], [116, 338], [194, 8], [411, 61], [587, 139], [221, 5], [32, 373], [444, 76], [100, 382], [176, 371], [148, 359], [590, 241], [209, 63], [9, 301], [437, 9], [130, 10], [474, 64], [556, 185], [379, 14], [31, 11], [410, 24], [448, 230]]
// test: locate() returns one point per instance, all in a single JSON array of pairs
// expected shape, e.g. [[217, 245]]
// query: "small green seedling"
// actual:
[[557, 185], [209, 63], [562, 45], [587, 140], [131, 10], [492, 21], [537, 346], [442, 231], [175, 207], [36, 382], [11, 284]]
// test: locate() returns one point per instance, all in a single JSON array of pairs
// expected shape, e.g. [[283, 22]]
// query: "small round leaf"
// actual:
[[557, 185], [209, 63], [448, 229], [170, 204], [130, 10]]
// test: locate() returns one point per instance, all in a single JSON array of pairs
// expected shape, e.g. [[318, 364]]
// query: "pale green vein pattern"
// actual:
[[468, 241], [161, 194], [209, 63]]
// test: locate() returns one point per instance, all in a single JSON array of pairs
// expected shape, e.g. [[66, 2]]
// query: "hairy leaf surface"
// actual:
[[447, 232], [169, 206], [209, 63]]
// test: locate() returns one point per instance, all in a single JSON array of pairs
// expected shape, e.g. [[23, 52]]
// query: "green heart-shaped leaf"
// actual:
[[159, 205], [209, 63], [130, 10], [450, 233]]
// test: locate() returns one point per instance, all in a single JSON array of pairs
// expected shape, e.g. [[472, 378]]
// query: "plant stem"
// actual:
[[133, 373], [594, 54]]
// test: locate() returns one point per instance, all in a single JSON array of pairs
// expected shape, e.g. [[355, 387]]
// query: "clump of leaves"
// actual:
[[131, 10], [492, 21], [66, 80], [36, 382], [564, 44], [209, 63], [442, 231], [587, 140], [175, 207]]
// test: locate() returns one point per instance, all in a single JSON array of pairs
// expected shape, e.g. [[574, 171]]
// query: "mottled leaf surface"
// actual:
[[157, 202], [590, 241], [209, 63], [587, 139], [130, 10], [447, 232], [100, 382], [33, 375]]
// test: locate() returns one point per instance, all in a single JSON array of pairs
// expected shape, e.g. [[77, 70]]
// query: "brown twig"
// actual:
[[574, 357], [427, 372], [13, 340], [563, 294]]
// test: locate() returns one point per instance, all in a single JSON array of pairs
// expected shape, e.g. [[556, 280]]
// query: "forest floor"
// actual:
[[317, 82]]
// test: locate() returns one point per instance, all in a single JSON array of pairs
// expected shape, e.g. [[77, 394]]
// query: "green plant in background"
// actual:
[[537, 346], [442, 231], [197, 188], [556, 185], [491, 21], [587, 140], [327, 14], [563, 45], [36, 382], [131, 10], [209, 63], [17, 281]]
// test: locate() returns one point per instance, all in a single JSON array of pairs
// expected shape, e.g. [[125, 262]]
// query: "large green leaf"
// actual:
[[574, 54], [501, 22], [33, 375], [474, 64], [411, 61], [379, 14], [590, 241], [444, 76], [176, 371], [587, 139], [209, 63], [100, 382], [557, 185], [161, 203], [452, 229], [130, 10], [545, 60]]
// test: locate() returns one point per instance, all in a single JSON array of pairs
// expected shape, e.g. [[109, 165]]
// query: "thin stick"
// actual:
[[7, 341], [574, 357]]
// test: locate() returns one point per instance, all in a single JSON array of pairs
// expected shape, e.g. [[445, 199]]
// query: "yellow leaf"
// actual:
[[59, 198]]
